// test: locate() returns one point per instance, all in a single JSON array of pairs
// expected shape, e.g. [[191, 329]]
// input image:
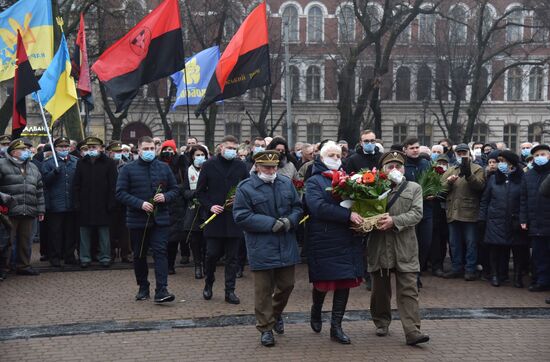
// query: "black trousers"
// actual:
[[499, 256], [215, 249], [440, 239], [62, 235], [119, 235], [198, 246]]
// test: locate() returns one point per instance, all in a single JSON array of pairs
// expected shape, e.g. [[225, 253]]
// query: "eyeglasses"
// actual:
[[369, 141]]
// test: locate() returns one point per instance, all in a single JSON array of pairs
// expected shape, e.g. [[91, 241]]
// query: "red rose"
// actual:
[[382, 175]]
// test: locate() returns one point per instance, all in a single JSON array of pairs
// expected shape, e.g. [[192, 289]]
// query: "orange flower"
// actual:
[[368, 178]]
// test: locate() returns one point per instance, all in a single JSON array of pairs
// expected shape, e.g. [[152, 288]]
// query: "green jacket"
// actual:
[[464, 195], [397, 248]]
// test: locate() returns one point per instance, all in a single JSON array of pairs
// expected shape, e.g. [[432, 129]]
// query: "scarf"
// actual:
[[193, 176]]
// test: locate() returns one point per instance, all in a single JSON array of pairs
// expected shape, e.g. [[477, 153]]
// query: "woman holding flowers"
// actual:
[[335, 254]]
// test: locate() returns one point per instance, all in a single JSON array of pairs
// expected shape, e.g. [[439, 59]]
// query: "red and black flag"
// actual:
[[24, 83], [153, 49], [245, 62], [80, 67]]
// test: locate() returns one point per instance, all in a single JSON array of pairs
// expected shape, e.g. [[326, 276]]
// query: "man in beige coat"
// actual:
[[394, 248]]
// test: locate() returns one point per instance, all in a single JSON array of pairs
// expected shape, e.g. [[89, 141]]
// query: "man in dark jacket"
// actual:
[[22, 180], [270, 232], [219, 176], [94, 199], [535, 215], [367, 156], [146, 186], [58, 182]]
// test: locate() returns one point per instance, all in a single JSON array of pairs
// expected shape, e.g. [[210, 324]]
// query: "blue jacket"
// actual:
[[59, 186], [138, 182], [499, 208], [256, 208], [534, 207], [334, 252]]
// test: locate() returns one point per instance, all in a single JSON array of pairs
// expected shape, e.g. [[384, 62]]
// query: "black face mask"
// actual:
[[167, 155], [445, 149]]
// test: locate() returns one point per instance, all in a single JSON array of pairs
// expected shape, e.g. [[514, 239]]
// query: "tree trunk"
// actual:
[[210, 126], [348, 129]]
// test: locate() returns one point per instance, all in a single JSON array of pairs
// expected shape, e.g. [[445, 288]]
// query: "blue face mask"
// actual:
[[93, 153], [25, 155], [258, 149], [541, 160], [503, 167], [526, 152], [117, 156], [435, 156], [198, 161], [63, 154], [147, 156], [229, 154], [368, 147]]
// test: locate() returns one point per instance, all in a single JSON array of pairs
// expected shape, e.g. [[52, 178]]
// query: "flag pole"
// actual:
[[187, 103], [47, 129]]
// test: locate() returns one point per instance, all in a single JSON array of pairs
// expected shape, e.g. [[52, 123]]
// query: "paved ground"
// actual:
[[91, 315]]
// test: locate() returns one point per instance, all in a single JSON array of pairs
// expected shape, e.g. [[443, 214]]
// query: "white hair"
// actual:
[[437, 148], [330, 146], [126, 147]]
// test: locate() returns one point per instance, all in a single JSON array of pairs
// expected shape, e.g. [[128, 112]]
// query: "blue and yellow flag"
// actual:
[[200, 68], [33, 18], [58, 90]]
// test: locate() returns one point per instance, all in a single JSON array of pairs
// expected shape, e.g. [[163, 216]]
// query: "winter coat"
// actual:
[[257, 206], [464, 194], [25, 187], [193, 215], [413, 170], [288, 170], [178, 205], [59, 185], [94, 190], [334, 252], [534, 207], [397, 248], [218, 176], [499, 209], [361, 160], [138, 182], [545, 187]]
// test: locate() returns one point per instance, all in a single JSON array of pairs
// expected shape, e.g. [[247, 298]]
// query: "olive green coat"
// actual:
[[464, 195], [397, 248]]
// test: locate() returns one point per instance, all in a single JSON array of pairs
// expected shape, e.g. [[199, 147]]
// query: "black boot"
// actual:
[[339, 302], [316, 319], [518, 279], [198, 271]]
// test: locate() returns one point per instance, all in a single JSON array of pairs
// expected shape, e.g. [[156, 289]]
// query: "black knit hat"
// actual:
[[493, 155], [510, 157]]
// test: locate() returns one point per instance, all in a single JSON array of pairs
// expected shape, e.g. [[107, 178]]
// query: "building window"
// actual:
[[536, 76], [366, 79], [315, 25], [403, 84], [480, 133], [511, 136], [313, 83], [514, 26], [374, 17], [515, 80], [179, 133], [424, 84], [441, 82], [294, 83], [425, 131], [488, 20], [399, 134], [346, 25], [426, 28], [233, 129], [404, 36], [535, 132], [458, 28], [539, 30], [459, 82], [290, 17], [314, 133]]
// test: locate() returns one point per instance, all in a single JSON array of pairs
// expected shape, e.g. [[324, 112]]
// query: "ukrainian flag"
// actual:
[[34, 20], [58, 91]]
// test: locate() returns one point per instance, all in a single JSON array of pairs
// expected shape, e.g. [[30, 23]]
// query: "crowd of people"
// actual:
[[264, 203]]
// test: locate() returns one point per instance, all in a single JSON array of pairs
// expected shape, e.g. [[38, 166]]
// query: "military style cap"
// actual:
[[539, 147], [18, 144], [114, 146], [62, 141], [462, 147], [89, 141], [5, 139], [267, 158], [392, 156], [443, 158], [81, 144]]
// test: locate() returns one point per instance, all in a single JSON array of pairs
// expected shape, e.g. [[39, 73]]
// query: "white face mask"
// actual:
[[477, 152], [395, 176], [267, 178], [332, 164]]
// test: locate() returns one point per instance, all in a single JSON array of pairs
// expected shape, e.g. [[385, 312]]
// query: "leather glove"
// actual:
[[278, 226], [288, 224], [466, 169]]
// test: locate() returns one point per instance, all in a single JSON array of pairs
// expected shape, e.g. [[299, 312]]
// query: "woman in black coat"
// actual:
[[334, 253], [499, 209]]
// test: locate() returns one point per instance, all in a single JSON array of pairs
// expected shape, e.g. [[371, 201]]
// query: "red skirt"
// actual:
[[327, 285]]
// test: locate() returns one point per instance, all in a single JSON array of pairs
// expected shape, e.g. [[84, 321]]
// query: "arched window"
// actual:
[[294, 82], [315, 24], [346, 24], [405, 36], [458, 28], [489, 16], [233, 129], [535, 132], [403, 84], [539, 30], [313, 83], [536, 77], [314, 133], [399, 133], [134, 13], [515, 79], [290, 22], [514, 25], [480, 133], [424, 134], [426, 28], [510, 136], [366, 78], [441, 82], [374, 17], [179, 133], [459, 81], [424, 83]]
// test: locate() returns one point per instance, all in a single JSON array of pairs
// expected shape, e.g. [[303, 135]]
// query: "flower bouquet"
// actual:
[[365, 192], [227, 205], [430, 181]]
